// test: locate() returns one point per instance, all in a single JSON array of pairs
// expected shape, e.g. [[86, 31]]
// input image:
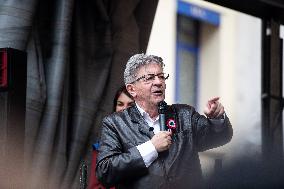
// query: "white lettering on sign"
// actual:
[[198, 12]]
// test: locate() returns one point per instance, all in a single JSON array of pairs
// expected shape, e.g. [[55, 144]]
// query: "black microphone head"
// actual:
[[162, 107], [151, 129]]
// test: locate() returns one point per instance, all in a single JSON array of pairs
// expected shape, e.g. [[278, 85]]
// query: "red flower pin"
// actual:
[[171, 124]]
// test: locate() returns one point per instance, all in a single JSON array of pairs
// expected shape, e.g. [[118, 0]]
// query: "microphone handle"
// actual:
[[162, 122]]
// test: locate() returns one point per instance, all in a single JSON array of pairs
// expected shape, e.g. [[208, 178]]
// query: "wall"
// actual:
[[162, 41]]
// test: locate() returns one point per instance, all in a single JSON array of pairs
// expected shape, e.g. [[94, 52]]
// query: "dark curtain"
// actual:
[[77, 52]]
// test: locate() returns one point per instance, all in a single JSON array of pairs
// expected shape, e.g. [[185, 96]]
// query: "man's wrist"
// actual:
[[148, 152], [222, 116]]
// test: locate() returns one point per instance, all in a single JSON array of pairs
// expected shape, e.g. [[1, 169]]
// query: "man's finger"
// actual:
[[217, 110], [214, 99], [221, 112]]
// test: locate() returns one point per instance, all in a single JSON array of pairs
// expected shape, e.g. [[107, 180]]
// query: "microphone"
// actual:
[[162, 114], [151, 129]]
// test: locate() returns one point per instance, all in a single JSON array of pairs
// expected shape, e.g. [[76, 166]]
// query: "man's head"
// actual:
[[145, 80]]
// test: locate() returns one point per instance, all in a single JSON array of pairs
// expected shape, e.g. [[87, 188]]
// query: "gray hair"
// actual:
[[135, 62]]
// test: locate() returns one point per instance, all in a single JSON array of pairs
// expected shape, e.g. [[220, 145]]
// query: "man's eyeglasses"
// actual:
[[149, 78]]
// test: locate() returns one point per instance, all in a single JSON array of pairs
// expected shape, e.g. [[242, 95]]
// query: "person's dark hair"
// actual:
[[121, 89]]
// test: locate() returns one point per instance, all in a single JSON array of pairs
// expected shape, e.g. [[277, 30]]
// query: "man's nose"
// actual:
[[158, 81]]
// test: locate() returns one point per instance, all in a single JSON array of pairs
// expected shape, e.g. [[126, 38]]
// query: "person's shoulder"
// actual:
[[182, 106], [113, 115], [123, 113]]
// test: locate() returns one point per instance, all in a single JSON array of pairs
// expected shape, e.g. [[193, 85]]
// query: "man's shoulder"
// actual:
[[121, 114], [182, 107], [113, 115]]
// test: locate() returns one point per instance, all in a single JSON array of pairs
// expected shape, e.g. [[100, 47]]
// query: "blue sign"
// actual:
[[199, 13]]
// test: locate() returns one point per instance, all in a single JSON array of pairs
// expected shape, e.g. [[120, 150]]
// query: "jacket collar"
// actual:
[[136, 117]]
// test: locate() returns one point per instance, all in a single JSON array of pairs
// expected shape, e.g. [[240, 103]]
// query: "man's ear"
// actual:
[[131, 89]]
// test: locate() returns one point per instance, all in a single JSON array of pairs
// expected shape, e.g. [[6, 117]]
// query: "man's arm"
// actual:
[[211, 133], [113, 164]]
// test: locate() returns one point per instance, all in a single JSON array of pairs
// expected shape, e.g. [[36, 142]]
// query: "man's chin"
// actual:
[[157, 100]]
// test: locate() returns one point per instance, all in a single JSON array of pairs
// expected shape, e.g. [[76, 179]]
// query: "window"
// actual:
[[186, 60]]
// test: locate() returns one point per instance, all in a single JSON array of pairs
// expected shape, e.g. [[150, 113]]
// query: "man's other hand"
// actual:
[[214, 109]]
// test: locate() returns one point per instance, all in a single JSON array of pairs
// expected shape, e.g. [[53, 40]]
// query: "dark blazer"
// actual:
[[119, 162]]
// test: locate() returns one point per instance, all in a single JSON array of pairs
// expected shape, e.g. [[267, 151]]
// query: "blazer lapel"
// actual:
[[137, 118]]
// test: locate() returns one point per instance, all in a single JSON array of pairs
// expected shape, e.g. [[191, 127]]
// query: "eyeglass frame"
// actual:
[[154, 76]]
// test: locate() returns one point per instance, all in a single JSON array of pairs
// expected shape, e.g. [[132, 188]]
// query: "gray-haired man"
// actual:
[[134, 153]]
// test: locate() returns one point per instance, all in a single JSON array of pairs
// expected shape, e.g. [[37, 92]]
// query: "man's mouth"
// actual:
[[158, 92]]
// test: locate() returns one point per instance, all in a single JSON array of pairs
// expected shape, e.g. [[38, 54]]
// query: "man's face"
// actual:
[[152, 91]]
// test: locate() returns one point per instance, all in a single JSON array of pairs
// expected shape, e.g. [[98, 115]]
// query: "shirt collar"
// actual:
[[144, 114]]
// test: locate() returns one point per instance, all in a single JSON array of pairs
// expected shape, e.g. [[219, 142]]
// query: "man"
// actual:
[[134, 153]]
